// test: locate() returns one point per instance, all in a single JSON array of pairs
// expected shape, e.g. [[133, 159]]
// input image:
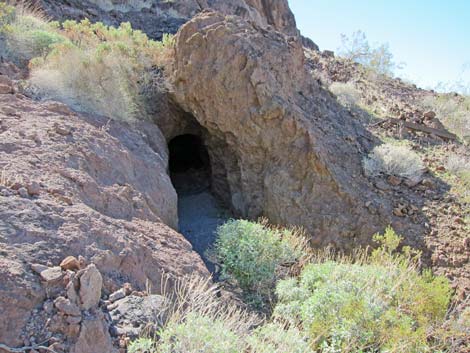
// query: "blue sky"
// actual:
[[432, 37]]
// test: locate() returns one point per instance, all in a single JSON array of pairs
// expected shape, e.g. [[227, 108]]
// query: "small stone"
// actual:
[[459, 220], [64, 131], [23, 192], [428, 183], [393, 180], [73, 320], [5, 80], [466, 243], [398, 212], [65, 306], [38, 268], [72, 292], [127, 288], [429, 115], [8, 111], [70, 263], [52, 274], [33, 188], [382, 185], [82, 262], [6, 89], [73, 330], [119, 294], [48, 306]]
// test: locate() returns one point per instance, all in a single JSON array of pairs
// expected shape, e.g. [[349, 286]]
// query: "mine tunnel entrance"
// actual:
[[199, 211], [190, 168]]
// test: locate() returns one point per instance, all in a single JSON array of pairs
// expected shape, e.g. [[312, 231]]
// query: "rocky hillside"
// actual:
[[89, 242]]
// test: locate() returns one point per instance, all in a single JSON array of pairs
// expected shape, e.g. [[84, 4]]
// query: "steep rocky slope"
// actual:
[[443, 199], [81, 185]]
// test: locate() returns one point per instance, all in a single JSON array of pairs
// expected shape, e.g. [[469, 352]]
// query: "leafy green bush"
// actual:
[[99, 69], [379, 304], [141, 345], [25, 33], [252, 253]]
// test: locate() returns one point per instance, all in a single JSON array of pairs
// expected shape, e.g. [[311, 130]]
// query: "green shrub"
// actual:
[[252, 253], [99, 69], [141, 345], [199, 334], [273, 338], [25, 33], [381, 303]]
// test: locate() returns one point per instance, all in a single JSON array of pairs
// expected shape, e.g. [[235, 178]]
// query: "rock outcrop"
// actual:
[[156, 17], [74, 185], [287, 149]]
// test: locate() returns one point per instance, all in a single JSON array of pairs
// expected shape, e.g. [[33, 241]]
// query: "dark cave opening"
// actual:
[[189, 164], [200, 212]]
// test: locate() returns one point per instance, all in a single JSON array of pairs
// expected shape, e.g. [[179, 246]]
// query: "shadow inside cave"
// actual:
[[200, 213]]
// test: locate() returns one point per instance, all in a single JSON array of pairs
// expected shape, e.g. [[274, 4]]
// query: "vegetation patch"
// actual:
[[377, 302], [89, 66], [392, 159], [453, 110], [253, 254]]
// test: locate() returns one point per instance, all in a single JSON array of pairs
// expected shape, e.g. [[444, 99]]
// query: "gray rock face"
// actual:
[[132, 315], [94, 337], [90, 287], [156, 17]]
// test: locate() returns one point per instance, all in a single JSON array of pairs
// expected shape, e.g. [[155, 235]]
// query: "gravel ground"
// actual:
[[199, 216]]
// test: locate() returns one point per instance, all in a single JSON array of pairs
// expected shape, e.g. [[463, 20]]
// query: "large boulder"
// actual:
[[74, 185], [287, 150]]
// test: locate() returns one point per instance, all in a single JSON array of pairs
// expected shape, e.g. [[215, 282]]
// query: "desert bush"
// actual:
[[348, 95], [199, 334], [25, 33], [377, 58], [392, 159], [252, 253], [452, 110], [459, 167], [99, 69], [272, 337], [199, 321], [458, 164], [141, 345], [377, 302]]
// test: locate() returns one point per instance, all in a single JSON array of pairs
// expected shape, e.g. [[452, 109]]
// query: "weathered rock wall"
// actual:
[[156, 17], [81, 185], [291, 152]]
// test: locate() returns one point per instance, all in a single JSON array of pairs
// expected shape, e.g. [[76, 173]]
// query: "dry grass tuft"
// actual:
[[391, 159]]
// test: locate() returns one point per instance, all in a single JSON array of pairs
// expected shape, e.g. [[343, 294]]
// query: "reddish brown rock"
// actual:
[[70, 263], [122, 198]]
